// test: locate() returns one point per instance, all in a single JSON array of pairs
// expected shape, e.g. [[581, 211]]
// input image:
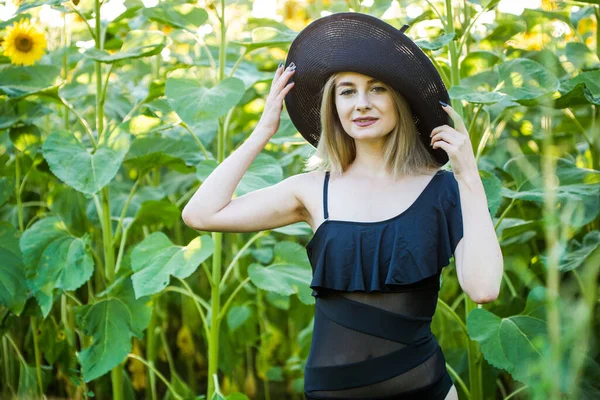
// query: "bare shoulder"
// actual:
[[308, 189]]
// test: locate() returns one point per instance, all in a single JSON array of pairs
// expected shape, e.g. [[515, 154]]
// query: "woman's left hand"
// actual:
[[456, 143]]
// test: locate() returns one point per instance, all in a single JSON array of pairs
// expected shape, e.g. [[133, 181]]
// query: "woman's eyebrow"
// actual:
[[352, 84]]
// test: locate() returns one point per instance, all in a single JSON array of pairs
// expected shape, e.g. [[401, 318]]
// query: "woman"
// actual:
[[396, 217]]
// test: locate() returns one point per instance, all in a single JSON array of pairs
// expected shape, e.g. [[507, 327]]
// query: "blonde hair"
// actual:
[[404, 153]]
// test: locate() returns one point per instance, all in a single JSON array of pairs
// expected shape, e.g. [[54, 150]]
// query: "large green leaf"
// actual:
[[195, 103], [478, 61], [581, 89], [437, 43], [54, 260], [28, 80], [577, 191], [289, 273], [156, 258], [25, 5], [267, 36], [475, 96], [516, 343], [157, 150], [526, 81], [576, 253], [53, 341], [84, 171], [162, 212], [13, 287], [581, 56], [184, 16], [7, 188], [264, 171], [111, 322], [284, 279], [237, 316], [137, 43], [26, 138]]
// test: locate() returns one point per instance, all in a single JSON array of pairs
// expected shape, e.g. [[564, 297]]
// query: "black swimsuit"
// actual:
[[376, 287]]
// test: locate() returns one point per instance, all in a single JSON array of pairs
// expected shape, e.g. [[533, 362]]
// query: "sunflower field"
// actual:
[[113, 113]]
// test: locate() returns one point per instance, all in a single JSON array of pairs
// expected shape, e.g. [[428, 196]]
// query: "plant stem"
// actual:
[[458, 380], [161, 376], [107, 237], [454, 316], [125, 207], [38, 355], [151, 350], [18, 192], [551, 229], [213, 342]]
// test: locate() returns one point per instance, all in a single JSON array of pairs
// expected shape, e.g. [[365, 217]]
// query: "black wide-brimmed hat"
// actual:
[[362, 43]]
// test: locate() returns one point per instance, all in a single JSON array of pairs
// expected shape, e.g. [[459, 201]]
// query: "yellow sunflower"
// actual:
[[23, 43]]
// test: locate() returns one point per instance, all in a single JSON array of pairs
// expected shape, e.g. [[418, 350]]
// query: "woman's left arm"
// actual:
[[478, 255]]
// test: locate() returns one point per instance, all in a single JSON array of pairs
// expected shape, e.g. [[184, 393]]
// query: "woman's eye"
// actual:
[[377, 87]]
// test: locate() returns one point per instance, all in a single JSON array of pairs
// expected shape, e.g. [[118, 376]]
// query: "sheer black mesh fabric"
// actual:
[[375, 344], [335, 344]]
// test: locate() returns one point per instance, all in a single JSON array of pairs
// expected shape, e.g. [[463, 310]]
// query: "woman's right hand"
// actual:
[[269, 121]]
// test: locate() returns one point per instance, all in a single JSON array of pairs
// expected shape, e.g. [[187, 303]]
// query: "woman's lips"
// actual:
[[365, 123]]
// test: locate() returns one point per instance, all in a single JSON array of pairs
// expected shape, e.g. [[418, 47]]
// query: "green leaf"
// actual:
[[111, 322], [7, 188], [54, 260], [579, 90], [156, 150], [195, 103], [514, 344], [66, 264], [13, 286], [184, 16], [526, 81], [267, 36], [478, 61], [237, 315], [158, 212], [437, 43], [25, 5], [53, 341], [264, 171], [576, 253], [156, 258], [25, 81], [8, 114], [84, 171], [137, 43], [581, 56], [577, 191], [27, 139], [475, 96], [285, 279]]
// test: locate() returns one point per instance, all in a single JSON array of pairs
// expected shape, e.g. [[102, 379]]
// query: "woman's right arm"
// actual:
[[212, 208]]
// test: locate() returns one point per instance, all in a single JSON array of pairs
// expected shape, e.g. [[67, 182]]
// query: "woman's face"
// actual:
[[359, 96]]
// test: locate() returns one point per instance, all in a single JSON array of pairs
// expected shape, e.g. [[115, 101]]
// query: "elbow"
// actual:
[[190, 219], [484, 297]]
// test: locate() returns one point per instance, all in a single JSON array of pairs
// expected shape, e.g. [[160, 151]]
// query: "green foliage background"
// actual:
[[105, 293]]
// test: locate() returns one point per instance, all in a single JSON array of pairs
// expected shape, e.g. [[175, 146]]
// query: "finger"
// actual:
[[441, 128], [280, 70], [449, 137], [458, 121], [443, 145], [284, 77], [286, 90]]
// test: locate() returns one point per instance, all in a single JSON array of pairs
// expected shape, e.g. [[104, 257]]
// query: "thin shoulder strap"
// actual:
[[325, 187]]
